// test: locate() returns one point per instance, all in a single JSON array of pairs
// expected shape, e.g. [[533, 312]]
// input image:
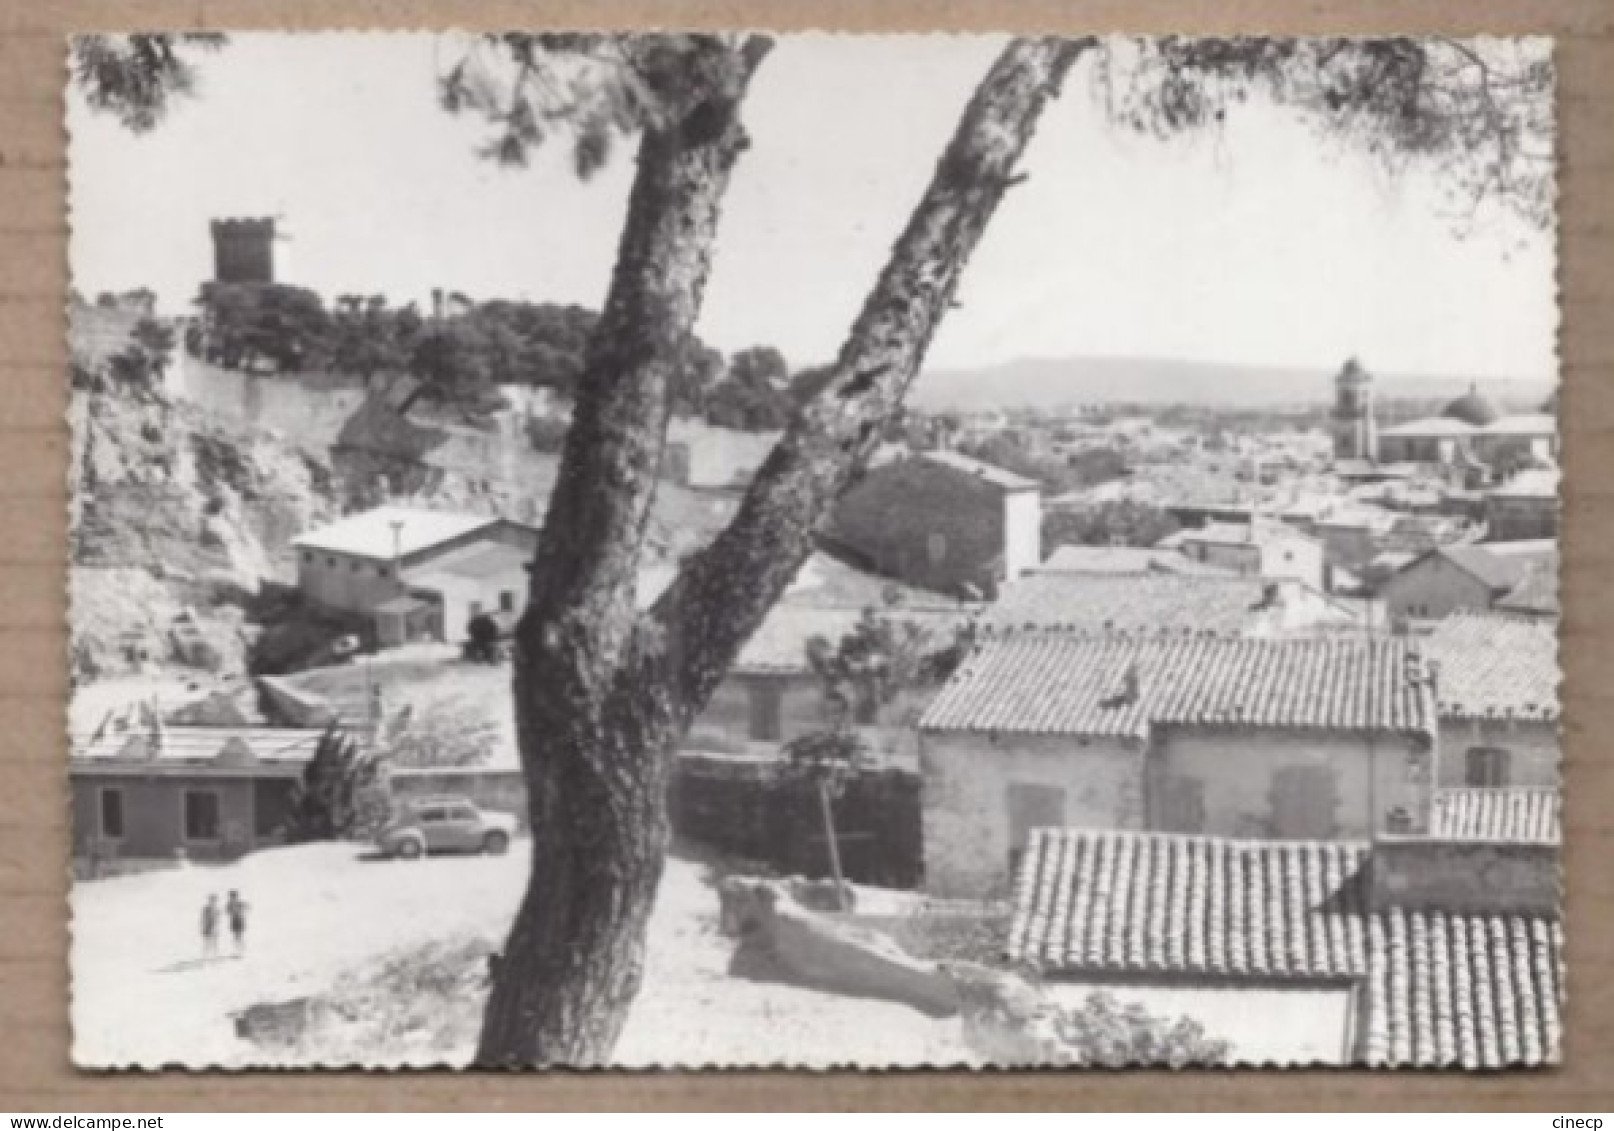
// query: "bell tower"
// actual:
[[1355, 431]]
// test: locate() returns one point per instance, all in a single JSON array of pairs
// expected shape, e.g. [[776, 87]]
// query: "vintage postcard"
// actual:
[[735, 549]]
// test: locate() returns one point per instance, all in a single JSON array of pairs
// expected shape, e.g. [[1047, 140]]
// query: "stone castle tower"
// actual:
[[1356, 434], [244, 251]]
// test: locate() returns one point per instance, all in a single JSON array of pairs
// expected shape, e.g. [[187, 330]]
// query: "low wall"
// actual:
[[501, 791], [1466, 876], [747, 807]]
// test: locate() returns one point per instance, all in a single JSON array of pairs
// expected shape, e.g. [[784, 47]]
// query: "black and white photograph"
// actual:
[[802, 550]]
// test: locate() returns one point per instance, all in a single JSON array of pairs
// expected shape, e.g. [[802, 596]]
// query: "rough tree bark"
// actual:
[[603, 693]]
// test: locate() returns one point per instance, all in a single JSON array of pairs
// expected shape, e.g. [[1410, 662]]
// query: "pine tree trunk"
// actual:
[[602, 693]]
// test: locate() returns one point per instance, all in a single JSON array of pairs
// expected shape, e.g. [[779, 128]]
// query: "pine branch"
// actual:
[[722, 594]]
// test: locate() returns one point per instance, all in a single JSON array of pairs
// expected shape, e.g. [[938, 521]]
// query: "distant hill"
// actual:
[[1055, 382]]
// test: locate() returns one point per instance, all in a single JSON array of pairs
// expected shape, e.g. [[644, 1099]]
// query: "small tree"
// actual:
[[827, 761], [330, 802]]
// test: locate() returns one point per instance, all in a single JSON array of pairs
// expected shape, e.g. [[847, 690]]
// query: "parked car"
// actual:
[[444, 824]]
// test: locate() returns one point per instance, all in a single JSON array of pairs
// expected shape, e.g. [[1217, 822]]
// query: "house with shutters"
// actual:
[[1322, 738]]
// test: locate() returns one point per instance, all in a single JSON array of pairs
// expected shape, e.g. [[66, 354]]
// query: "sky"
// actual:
[[1253, 244]]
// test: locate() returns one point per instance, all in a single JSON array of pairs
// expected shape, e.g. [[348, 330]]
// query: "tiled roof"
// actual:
[[985, 472], [1493, 666], [1497, 814], [1064, 683], [1159, 603], [371, 534], [1435, 988]]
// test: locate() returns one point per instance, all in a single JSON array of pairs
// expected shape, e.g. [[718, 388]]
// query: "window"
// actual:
[[475, 610], [330, 561], [937, 547], [112, 813], [765, 704], [1487, 767], [355, 566], [507, 601], [201, 814], [383, 571], [308, 557]]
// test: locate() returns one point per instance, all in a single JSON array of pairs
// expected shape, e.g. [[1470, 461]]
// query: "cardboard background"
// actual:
[[34, 1071]]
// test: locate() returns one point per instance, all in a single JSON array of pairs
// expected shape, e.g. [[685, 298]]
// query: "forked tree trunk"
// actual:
[[604, 694]]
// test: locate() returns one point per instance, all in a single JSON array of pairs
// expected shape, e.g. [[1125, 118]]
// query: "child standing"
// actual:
[[210, 927], [236, 909]]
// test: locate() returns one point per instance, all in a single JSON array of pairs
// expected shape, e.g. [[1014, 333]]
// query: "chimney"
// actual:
[[1465, 877]]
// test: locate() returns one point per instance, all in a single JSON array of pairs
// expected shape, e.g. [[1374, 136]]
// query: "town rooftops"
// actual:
[[1523, 424], [370, 535], [1497, 814], [1162, 604], [1498, 571], [1536, 595], [1060, 683], [1125, 560], [1433, 988], [985, 472], [1535, 483], [1430, 427], [1493, 666]]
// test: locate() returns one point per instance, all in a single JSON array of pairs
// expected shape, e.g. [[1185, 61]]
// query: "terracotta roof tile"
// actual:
[[1436, 989], [1064, 683], [1493, 666], [1497, 814]]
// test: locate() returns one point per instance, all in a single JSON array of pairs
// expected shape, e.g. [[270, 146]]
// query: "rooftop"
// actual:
[[1499, 571], [1536, 594], [1161, 603], [1239, 533], [1473, 407], [1435, 988], [779, 645], [985, 472], [1497, 814], [1524, 424], [1125, 560], [370, 535], [1429, 426], [1124, 685], [178, 748], [1495, 666]]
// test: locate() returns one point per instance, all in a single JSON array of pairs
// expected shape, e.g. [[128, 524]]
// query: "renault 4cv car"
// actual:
[[444, 824]]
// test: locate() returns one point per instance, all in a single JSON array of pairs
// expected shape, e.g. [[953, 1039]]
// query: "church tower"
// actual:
[[1356, 434]]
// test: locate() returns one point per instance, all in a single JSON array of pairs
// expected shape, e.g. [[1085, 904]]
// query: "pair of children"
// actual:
[[235, 910]]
